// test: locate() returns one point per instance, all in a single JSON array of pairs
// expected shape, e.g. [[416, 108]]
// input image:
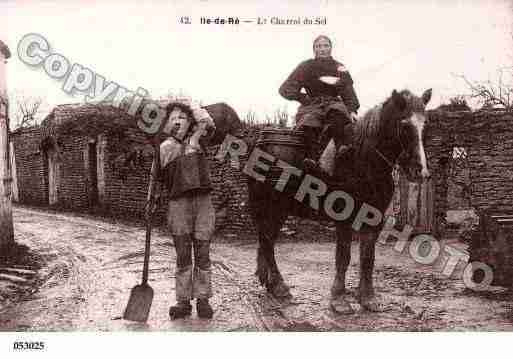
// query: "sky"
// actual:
[[385, 45]]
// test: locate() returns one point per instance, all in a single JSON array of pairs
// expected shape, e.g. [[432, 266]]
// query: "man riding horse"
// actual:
[[330, 102]]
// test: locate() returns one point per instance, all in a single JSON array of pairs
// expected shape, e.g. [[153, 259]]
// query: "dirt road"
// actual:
[[89, 267]]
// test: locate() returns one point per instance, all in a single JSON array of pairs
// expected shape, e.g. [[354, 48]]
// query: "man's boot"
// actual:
[[344, 152], [346, 147], [342, 133], [311, 142]]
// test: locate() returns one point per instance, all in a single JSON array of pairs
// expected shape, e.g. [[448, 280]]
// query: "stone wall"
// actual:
[[31, 171], [488, 140], [458, 188], [487, 137], [122, 164]]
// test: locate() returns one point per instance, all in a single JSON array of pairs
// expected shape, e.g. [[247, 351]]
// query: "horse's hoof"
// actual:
[[340, 306], [281, 291], [263, 275], [373, 304]]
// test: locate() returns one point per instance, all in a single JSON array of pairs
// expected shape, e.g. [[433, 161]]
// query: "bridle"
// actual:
[[397, 133]]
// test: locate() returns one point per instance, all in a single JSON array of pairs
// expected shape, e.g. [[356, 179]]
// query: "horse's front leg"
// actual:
[[368, 298], [338, 302]]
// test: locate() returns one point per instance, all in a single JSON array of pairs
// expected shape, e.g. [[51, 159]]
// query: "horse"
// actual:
[[390, 133]]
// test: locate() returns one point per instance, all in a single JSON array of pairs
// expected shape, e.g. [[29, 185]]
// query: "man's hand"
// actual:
[[354, 116]]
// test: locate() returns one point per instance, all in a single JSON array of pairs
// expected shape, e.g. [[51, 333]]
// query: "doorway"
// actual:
[[92, 174], [417, 205], [53, 175]]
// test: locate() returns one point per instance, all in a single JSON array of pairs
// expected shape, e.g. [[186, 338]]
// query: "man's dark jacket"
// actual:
[[306, 76]]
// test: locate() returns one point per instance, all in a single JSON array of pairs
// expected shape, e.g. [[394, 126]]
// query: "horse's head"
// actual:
[[409, 123]]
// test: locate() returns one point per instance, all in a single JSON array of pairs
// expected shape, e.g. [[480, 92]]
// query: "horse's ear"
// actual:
[[398, 100], [426, 96]]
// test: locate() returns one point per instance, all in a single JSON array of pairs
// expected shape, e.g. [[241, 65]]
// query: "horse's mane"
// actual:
[[367, 130]]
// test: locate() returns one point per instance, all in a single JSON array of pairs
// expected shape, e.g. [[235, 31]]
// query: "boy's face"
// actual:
[[178, 124]]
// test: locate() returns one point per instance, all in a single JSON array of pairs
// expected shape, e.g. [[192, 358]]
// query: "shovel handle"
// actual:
[[155, 169]]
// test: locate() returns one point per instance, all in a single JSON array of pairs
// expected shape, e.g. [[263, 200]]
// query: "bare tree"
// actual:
[[250, 118], [180, 95], [456, 103], [493, 94], [281, 117], [4, 104], [25, 110]]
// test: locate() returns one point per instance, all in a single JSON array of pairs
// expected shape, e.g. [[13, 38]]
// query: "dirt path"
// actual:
[[92, 265]]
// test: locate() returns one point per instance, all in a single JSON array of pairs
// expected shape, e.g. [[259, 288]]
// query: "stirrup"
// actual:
[[314, 167], [344, 151], [310, 164]]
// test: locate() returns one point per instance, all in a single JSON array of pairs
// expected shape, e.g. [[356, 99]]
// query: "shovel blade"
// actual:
[[139, 303]]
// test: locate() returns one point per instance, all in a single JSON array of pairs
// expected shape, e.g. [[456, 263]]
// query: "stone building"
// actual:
[[94, 158]]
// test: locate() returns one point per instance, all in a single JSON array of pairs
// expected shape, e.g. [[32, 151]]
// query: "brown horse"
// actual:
[[389, 133]]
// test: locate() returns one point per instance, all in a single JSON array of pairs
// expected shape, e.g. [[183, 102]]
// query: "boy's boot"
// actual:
[[182, 309], [183, 277], [204, 309], [202, 282]]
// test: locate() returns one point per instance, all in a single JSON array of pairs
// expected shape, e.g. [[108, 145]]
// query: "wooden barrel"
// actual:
[[227, 122], [225, 118], [285, 144]]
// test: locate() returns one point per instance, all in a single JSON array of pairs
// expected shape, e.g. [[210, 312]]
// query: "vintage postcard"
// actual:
[[256, 166]]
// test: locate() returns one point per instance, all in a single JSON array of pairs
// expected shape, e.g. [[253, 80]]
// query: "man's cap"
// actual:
[[320, 37]]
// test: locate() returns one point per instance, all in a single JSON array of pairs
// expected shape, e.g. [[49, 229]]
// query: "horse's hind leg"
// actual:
[[267, 268], [258, 204], [342, 258], [269, 212], [262, 271]]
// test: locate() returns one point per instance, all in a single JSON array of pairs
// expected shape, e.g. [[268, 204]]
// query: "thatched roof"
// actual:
[[4, 50], [83, 112], [92, 119], [86, 118]]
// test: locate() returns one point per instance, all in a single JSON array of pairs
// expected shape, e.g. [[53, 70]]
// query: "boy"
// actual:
[[191, 216]]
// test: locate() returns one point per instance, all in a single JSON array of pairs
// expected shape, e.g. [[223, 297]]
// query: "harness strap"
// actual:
[[388, 162]]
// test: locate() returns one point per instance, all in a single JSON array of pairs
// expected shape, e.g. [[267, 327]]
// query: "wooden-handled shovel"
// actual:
[[141, 296]]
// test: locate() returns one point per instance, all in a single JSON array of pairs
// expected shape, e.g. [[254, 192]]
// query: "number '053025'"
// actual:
[[29, 346]]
